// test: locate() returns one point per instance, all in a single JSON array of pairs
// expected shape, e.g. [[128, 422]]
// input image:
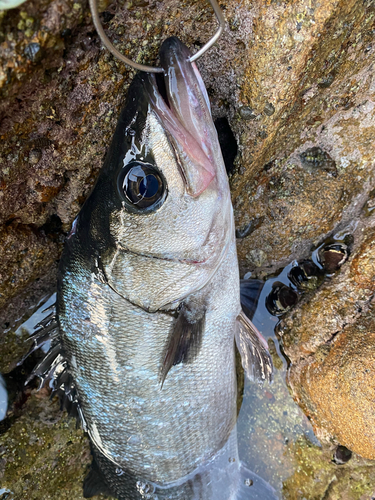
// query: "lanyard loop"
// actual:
[[152, 69]]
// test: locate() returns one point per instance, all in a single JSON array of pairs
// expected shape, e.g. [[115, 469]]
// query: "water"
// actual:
[[270, 422]]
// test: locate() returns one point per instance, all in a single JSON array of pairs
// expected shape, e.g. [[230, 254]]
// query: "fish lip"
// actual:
[[186, 116]]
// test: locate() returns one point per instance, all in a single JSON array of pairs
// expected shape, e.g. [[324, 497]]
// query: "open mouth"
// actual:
[[180, 101]]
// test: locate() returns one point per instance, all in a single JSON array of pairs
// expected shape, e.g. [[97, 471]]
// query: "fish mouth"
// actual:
[[179, 99]]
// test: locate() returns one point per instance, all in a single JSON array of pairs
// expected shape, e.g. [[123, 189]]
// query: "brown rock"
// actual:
[[339, 302], [319, 81], [330, 341], [312, 91], [25, 254], [43, 454], [341, 387]]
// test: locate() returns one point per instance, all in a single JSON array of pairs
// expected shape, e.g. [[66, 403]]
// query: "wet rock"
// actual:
[[316, 476], [277, 443], [25, 253], [317, 117], [330, 340], [333, 256], [281, 299], [339, 385]]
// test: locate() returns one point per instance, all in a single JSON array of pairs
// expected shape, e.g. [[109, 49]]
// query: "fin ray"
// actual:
[[54, 368], [185, 340], [253, 348]]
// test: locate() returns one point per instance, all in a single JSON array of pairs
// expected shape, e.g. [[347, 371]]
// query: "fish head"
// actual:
[[160, 215]]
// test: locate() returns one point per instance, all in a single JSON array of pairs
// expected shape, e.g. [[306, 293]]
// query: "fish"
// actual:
[[148, 306]]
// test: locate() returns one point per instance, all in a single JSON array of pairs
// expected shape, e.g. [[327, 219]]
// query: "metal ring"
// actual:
[[152, 69]]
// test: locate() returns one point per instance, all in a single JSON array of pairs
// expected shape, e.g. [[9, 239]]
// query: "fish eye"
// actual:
[[143, 186]]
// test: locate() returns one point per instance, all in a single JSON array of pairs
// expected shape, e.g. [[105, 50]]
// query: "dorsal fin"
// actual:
[[185, 340], [53, 368]]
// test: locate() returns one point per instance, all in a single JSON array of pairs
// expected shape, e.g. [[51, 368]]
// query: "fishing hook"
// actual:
[[152, 69]]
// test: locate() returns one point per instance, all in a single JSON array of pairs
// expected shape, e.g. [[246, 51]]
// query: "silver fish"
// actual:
[[148, 304]]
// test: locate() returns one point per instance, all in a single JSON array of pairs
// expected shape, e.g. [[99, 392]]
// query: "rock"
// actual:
[[337, 303], [276, 442], [339, 385], [295, 81], [306, 79], [26, 252], [43, 455], [330, 341], [316, 476]]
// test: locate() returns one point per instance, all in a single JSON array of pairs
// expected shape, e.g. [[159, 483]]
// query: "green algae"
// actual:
[[42, 455], [12, 347], [317, 477]]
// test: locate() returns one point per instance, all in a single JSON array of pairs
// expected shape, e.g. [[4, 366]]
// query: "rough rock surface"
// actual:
[[341, 386], [43, 455], [295, 79], [289, 76], [329, 340], [314, 63]]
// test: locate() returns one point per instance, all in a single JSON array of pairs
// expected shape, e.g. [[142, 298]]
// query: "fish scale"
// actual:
[[148, 305], [181, 439]]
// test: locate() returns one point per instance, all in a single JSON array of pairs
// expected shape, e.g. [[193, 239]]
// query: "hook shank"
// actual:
[[152, 69]]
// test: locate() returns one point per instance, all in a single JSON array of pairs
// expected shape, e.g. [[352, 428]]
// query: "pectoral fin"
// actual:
[[186, 338], [253, 348]]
